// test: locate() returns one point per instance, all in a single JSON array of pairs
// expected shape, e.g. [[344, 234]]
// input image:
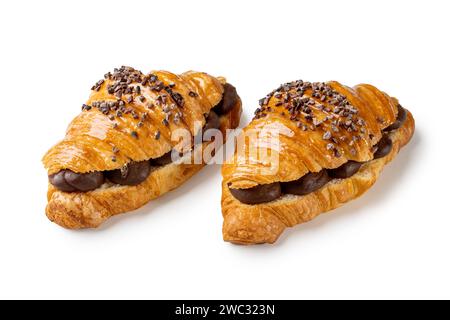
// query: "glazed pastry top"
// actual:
[[321, 125], [130, 117]]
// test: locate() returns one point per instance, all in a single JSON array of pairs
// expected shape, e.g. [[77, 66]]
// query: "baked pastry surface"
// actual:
[[332, 128], [129, 119]]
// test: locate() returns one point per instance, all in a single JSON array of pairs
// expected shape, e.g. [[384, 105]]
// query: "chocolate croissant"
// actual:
[[332, 143], [117, 153]]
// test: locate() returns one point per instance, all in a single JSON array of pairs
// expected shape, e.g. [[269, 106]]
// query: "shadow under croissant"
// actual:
[[389, 179], [157, 205]]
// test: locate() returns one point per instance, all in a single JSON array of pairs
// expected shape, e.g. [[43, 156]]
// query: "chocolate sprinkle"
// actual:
[[98, 85], [327, 135], [316, 104], [128, 86], [178, 98]]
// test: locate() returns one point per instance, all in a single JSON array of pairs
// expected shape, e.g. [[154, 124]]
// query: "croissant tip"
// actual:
[[222, 80]]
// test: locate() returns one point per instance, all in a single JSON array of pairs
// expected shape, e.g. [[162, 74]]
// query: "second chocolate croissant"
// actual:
[[331, 143]]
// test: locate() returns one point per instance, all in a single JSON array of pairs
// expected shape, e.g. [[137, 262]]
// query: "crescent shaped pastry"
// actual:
[[332, 142], [117, 153]]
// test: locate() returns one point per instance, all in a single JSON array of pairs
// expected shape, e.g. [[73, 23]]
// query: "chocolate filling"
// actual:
[[306, 184], [163, 160], [383, 147], [136, 172], [346, 170], [259, 194], [229, 100], [401, 118], [131, 174], [212, 121], [69, 181], [314, 181]]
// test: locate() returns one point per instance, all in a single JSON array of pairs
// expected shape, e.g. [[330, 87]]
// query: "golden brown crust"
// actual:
[[89, 209], [302, 153]]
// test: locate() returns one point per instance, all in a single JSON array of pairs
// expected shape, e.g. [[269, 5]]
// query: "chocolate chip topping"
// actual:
[[178, 98], [306, 184], [122, 78], [316, 106], [98, 85], [128, 86], [85, 107], [259, 194], [131, 174]]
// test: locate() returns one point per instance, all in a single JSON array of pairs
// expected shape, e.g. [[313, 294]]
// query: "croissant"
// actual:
[[119, 152], [331, 143]]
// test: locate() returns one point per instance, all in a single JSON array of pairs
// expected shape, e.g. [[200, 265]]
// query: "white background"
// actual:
[[391, 243]]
